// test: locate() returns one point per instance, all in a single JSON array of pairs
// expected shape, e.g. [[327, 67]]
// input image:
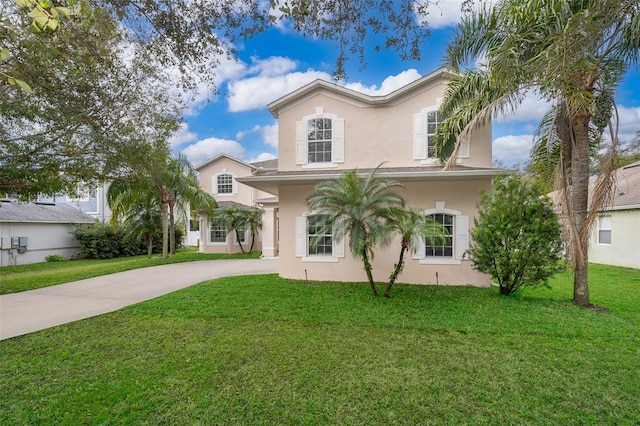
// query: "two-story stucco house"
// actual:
[[326, 129], [218, 176]]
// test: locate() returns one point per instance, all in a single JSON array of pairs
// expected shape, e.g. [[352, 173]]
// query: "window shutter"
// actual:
[[338, 248], [419, 137], [420, 252], [301, 142], [234, 185], [462, 237], [337, 142], [214, 185], [301, 236]]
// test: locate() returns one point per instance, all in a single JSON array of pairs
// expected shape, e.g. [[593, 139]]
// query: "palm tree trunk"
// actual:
[[238, 240], [580, 196], [397, 270], [172, 229], [165, 230], [149, 246], [367, 268]]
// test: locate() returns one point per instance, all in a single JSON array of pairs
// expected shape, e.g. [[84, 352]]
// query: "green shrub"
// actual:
[[517, 235], [54, 258], [104, 241]]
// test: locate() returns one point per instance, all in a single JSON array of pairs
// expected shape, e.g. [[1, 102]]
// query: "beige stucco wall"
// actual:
[[624, 249], [460, 195], [373, 134]]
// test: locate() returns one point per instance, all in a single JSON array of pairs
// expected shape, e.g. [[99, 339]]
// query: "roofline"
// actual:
[[350, 93], [218, 157], [273, 181], [621, 207]]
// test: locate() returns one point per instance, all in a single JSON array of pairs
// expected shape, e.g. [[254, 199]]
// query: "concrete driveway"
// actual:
[[29, 311]]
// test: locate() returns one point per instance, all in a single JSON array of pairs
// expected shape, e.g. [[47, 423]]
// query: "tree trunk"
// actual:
[[397, 270], [165, 230], [238, 240], [580, 199], [367, 268], [149, 246], [253, 241], [172, 229]]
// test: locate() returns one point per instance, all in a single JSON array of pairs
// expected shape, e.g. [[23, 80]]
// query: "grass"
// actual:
[[265, 350], [37, 275]]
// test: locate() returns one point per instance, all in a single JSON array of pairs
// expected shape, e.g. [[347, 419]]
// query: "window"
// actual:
[[425, 125], [218, 234], [453, 249], [241, 235], [320, 140], [442, 248], [319, 235], [314, 240], [224, 184], [604, 229]]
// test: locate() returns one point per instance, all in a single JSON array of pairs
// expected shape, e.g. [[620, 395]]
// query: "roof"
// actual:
[[11, 211], [262, 166], [327, 87], [271, 182], [220, 157], [627, 188]]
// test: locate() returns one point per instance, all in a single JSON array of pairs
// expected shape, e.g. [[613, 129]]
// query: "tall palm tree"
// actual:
[[414, 228], [574, 53], [360, 208]]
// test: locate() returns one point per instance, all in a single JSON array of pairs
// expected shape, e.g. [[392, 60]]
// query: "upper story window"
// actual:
[[224, 183], [425, 126], [320, 140]]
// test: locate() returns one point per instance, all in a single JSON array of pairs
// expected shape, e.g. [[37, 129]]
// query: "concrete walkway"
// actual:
[[29, 311]]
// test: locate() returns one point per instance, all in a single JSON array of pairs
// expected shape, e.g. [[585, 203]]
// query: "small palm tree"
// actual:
[[414, 228], [254, 224], [233, 219], [143, 222], [361, 208]]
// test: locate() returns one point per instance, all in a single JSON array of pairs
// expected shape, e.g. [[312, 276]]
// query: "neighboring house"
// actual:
[[218, 176], [326, 129], [615, 239], [29, 232], [90, 201]]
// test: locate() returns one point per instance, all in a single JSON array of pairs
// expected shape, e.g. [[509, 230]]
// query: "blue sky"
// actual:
[[236, 121]]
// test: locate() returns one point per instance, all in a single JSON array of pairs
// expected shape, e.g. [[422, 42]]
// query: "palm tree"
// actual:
[[185, 194], [142, 221], [361, 208], [233, 219], [413, 227], [574, 53], [254, 224]]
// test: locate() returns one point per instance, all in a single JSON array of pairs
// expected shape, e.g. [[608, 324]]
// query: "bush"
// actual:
[[104, 241], [517, 235], [54, 258]]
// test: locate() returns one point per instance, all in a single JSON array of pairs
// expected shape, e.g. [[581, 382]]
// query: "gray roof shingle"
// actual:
[[12, 211]]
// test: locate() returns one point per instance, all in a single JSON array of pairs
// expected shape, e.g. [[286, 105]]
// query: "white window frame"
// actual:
[[83, 195], [604, 225], [460, 239], [302, 243], [421, 138], [214, 184], [337, 140], [217, 243]]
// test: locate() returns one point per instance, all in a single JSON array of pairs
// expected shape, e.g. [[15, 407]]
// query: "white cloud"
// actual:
[[182, 136], [533, 108], [391, 83], [256, 92], [512, 148], [269, 134], [262, 157], [275, 65], [629, 121], [205, 149], [447, 13]]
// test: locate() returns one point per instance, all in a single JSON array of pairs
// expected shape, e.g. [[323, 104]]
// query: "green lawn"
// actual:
[[264, 350], [28, 277]]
